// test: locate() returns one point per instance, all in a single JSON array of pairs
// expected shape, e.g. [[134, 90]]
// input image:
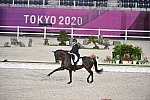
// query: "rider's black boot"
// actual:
[[74, 67]]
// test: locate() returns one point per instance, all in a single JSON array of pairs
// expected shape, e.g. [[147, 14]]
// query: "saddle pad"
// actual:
[[78, 63]]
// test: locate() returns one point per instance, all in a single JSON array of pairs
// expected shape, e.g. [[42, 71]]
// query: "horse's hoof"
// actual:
[[68, 82], [88, 81]]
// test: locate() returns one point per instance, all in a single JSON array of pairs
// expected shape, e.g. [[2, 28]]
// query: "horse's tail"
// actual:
[[96, 68]]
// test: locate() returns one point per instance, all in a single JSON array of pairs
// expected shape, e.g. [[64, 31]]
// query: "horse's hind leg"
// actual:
[[91, 74], [88, 78], [58, 69]]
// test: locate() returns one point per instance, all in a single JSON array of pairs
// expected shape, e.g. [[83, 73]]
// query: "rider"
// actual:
[[75, 50]]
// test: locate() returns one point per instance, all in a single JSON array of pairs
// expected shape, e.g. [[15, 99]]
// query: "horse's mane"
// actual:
[[66, 51]]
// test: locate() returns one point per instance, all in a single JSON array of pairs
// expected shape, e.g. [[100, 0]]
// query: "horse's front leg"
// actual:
[[70, 75], [58, 69]]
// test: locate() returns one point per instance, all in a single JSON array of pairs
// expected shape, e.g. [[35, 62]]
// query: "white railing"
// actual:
[[28, 3], [45, 33]]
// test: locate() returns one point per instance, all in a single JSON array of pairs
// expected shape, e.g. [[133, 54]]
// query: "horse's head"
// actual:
[[59, 55]]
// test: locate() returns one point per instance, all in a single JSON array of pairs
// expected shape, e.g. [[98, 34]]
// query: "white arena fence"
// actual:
[[72, 34]]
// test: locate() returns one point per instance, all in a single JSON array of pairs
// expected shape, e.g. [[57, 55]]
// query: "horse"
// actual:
[[65, 58]]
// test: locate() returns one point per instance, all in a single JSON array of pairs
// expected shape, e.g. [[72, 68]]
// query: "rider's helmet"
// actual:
[[74, 40]]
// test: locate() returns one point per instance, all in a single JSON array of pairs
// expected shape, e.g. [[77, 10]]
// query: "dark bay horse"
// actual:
[[65, 57]]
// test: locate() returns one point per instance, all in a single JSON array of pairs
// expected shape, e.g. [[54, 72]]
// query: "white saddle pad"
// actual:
[[78, 63]]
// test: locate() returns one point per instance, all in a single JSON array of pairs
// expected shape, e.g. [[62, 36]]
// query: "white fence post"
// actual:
[[74, 4], [44, 32], [13, 3], [18, 32], [28, 3], [126, 35], [43, 3], [95, 4], [99, 33], [59, 3], [72, 32]]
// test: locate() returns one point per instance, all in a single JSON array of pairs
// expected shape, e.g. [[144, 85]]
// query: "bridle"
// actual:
[[57, 56]]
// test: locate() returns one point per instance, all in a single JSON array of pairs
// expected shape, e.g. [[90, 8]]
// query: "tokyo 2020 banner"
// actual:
[[77, 18]]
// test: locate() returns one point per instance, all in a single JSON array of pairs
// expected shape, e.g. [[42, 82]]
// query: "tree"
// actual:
[[63, 37], [94, 40]]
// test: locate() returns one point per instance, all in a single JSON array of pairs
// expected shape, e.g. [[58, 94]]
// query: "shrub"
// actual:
[[63, 37], [124, 49], [94, 40]]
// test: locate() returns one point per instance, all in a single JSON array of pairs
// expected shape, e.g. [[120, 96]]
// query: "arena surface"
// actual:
[[34, 84], [27, 84]]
